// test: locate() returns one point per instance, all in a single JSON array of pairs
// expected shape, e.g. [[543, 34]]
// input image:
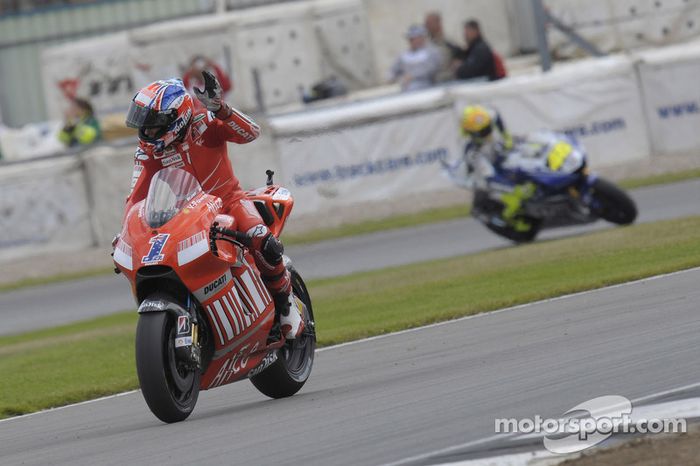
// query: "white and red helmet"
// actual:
[[163, 105]]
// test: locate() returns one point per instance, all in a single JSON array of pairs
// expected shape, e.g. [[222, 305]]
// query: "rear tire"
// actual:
[[615, 205], [295, 359], [170, 392]]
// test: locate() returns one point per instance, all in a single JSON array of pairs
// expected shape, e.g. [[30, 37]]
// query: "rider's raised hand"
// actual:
[[210, 96]]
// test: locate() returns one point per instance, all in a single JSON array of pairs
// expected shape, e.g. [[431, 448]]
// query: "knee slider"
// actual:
[[272, 249]]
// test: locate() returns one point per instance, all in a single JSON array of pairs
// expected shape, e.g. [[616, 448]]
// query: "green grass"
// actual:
[[664, 178], [85, 360], [67, 364], [394, 299]]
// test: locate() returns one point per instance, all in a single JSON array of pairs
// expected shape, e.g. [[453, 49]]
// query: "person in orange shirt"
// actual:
[[173, 133]]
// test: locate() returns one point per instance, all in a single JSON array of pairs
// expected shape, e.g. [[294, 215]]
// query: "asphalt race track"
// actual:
[[386, 399], [51, 305]]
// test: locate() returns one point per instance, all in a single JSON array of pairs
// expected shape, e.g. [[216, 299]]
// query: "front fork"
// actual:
[[585, 189], [187, 345]]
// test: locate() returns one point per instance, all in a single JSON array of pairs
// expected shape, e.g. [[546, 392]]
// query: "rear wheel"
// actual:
[[169, 387], [614, 205], [295, 359]]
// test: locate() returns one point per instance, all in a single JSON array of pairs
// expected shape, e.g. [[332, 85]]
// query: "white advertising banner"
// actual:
[[669, 79], [595, 101], [95, 69], [43, 207], [369, 161]]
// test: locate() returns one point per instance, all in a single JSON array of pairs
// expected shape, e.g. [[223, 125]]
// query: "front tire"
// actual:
[[614, 205], [170, 390], [295, 359]]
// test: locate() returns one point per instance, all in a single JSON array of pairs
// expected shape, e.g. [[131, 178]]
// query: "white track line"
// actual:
[[59, 408], [417, 329]]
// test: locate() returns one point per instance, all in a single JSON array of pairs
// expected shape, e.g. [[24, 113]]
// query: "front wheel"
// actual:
[[295, 359], [169, 387], [614, 205]]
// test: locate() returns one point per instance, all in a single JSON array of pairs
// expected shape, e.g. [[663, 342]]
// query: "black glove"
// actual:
[[210, 96]]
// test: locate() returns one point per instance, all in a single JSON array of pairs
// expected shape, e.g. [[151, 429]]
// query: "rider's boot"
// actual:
[[289, 311], [270, 261], [513, 202]]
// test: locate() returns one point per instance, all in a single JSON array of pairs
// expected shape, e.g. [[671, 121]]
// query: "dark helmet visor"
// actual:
[[144, 117]]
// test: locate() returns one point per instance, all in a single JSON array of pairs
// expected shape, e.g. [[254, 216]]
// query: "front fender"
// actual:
[[161, 303], [185, 334]]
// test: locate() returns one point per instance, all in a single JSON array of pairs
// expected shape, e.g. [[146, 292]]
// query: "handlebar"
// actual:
[[242, 238], [224, 234]]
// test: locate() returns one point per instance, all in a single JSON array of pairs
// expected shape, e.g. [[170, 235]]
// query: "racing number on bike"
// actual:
[[155, 253], [558, 155]]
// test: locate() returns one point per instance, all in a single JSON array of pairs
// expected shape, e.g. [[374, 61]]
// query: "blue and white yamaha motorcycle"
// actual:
[[564, 193]]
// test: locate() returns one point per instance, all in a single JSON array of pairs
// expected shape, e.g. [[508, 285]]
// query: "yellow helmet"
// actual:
[[476, 122]]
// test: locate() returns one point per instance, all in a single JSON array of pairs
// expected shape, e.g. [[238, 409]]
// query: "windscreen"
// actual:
[[171, 189]]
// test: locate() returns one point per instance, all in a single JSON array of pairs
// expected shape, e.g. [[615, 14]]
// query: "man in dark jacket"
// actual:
[[477, 60]]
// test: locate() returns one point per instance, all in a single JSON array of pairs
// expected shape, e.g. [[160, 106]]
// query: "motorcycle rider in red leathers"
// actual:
[[173, 134]]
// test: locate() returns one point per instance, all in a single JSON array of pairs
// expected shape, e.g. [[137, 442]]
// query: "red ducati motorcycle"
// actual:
[[206, 318]]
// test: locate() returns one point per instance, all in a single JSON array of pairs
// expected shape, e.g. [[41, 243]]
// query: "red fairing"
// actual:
[[235, 302]]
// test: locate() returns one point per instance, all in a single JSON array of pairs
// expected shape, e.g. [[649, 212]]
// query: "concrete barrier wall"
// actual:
[[372, 158], [44, 207], [108, 171]]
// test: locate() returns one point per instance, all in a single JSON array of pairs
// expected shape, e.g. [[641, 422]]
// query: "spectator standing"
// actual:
[[478, 60], [417, 67], [447, 50], [81, 128]]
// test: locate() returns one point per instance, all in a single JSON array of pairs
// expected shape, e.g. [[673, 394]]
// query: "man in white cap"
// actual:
[[417, 67]]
